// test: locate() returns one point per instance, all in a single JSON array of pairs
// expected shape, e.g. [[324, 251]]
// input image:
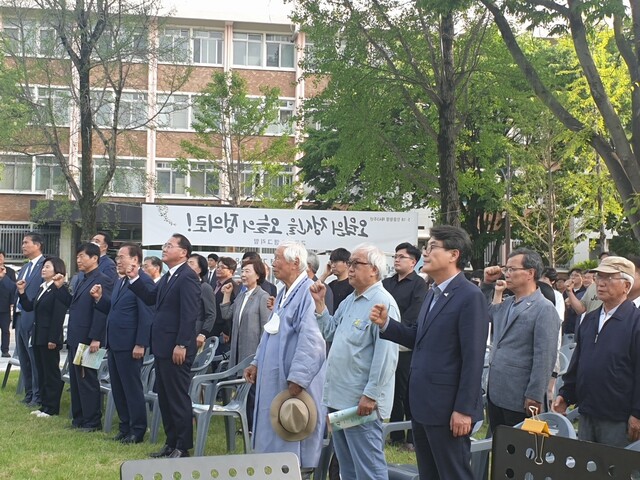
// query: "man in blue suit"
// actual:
[[448, 345], [173, 341], [128, 334], [31, 272], [87, 326]]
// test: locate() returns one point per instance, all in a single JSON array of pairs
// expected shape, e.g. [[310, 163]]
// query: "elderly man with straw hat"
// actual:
[[288, 369], [603, 374]]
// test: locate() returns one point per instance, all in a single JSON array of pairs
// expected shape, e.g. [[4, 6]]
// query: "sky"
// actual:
[[270, 11]]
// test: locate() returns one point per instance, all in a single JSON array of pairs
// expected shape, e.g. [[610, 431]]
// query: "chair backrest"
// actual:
[[567, 350], [258, 466], [563, 363], [558, 424], [203, 361], [209, 380]]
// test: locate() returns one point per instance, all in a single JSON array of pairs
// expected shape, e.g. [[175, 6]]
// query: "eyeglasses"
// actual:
[[355, 263], [430, 246], [512, 269], [222, 266], [400, 257], [604, 279], [169, 246]]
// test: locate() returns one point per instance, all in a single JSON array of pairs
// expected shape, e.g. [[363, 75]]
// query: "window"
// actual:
[[133, 110], [174, 111], [174, 45], [204, 180], [168, 180], [249, 178], [50, 44], [284, 178], [49, 175], [102, 107], [54, 103], [130, 177], [280, 51], [21, 36], [284, 123], [247, 49], [15, 173], [207, 47]]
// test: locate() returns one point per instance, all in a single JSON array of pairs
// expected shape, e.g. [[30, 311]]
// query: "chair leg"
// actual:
[[230, 427], [245, 433], [108, 412], [155, 422], [6, 375], [203, 421], [20, 387]]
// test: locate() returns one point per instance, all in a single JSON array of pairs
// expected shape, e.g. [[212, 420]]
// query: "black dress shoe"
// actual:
[[163, 452], [6, 355], [177, 453], [120, 436], [131, 439]]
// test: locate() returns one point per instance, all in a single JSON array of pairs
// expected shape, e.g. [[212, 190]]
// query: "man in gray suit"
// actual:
[[525, 340]]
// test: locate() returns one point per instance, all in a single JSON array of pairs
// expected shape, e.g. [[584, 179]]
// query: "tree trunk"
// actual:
[[449, 198]]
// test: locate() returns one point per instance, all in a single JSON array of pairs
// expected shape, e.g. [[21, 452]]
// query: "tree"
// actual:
[[81, 68], [230, 127], [427, 50], [618, 142]]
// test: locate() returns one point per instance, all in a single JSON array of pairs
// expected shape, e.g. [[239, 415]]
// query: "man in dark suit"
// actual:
[[225, 269], [105, 264], [31, 272], [173, 341], [448, 344], [212, 262], [128, 335], [87, 326], [7, 297]]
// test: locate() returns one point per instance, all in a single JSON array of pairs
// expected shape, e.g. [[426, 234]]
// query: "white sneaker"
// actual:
[[36, 412], [43, 415]]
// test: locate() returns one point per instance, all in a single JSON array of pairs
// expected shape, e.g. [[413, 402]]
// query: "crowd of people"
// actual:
[[412, 346]]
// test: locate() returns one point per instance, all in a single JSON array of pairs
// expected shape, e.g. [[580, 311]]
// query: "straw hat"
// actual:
[[293, 418]]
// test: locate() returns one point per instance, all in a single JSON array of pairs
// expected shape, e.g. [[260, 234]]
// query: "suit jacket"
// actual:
[[7, 293], [270, 288], [33, 285], [207, 312], [221, 325], [448, 345], [128, 317], [86, 323], [49, 314], [246, 334], [105, 265], [176, 308], [523, 351]]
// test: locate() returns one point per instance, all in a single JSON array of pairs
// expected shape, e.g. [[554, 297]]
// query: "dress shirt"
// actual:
[[359, 362]]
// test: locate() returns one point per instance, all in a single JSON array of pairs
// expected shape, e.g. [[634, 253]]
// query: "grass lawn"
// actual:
[[39, 448]]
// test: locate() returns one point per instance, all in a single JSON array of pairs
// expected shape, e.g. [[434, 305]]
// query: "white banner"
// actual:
[[266, 228]]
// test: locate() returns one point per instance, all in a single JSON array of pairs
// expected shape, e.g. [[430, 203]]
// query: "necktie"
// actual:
[[122, 285], [27, 273], [436, 293]]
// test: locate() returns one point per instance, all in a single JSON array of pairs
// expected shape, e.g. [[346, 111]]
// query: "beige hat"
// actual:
[[616, 265], [293, 418]]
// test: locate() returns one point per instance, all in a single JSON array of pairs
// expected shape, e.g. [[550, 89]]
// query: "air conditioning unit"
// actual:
[[48, 194]]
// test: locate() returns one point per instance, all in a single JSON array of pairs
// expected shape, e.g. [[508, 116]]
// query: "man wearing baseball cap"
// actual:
[[603, 373]]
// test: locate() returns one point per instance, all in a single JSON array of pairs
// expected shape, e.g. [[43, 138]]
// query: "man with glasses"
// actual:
[[176, 298], [408, 290], [525, 340], [225, 268], [603, 373], [448, 344], [573, 294], [360, 366]]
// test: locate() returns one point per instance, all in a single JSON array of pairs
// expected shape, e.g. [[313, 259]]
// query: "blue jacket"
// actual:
[[602, 378], [129, 318]]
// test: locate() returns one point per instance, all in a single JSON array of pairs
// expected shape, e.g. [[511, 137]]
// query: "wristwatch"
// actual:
[[181, 346]]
